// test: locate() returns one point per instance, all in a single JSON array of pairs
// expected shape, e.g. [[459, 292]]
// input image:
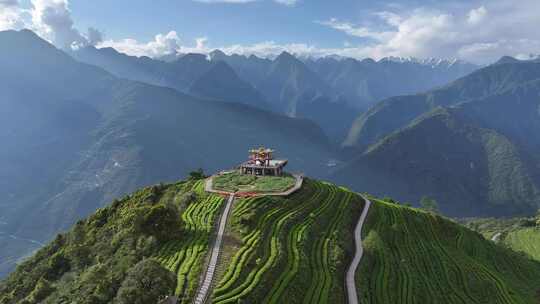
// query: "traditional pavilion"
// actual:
[[261, 163]]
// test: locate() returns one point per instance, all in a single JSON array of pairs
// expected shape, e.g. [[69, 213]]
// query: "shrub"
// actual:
[[42, 290], [429, 204], [161, 221], [58, 265], [146, 283], [197, 174]]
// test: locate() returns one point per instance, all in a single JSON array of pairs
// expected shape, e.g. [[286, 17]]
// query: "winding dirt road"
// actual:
[[350, 283]]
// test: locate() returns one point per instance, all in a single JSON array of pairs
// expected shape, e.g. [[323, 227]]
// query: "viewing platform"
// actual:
[[260, 175]]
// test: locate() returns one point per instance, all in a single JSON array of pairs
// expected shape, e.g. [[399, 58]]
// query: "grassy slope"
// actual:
[[89, 263], [423, 258], [519, 234], [526, 240]]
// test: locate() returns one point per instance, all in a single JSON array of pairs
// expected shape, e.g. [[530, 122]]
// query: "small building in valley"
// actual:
[[262, 163]]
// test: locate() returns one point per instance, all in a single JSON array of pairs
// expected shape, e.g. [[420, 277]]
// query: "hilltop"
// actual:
[[275, 248]]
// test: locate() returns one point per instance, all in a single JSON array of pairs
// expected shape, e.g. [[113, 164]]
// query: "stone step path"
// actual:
[[350, 281], [204, 289]]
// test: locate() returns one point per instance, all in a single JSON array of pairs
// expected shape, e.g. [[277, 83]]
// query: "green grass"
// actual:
[[413, 256], [526, 240], [519, 234], [234, 182]]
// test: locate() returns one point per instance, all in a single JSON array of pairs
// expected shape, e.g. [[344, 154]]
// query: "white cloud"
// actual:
[[163, 44], [201, 43], [468, 34], [477, 15], [11, 15], [51, 19], [476, 32], [226, 1], [287, 2], [284, 2], [351, 30]]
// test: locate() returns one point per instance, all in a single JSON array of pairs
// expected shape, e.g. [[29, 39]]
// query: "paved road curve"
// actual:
[[205, 287], [349, 280], [496, 237]]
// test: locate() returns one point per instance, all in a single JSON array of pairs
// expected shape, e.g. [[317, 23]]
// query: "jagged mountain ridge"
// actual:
[[288, 84], [473, 145], [400, 110]]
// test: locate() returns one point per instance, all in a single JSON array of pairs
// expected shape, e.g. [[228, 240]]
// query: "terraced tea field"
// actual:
[[186, 257], [277, 249], [412, 256], [294, 250]]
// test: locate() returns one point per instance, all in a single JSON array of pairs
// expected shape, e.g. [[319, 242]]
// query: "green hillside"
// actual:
[[525, 240], [469, 170], [472, 144], [397, 112], [519, 234], [413, 256], [292, 249], [170, 224]]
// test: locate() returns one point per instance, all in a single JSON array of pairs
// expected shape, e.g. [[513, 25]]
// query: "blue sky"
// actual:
[[475, 30], [225, 23]]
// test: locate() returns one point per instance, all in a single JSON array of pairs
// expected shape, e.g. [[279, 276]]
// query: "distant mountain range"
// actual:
[[473, 144], [329, 91], [74, 136]]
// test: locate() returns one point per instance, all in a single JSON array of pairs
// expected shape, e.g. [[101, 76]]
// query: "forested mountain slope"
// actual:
[[443, 154], [74, 137], [396, 112], [328, 91], [472, 145]]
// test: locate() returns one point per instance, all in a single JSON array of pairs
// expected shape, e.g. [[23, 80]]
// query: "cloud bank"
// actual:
[[479, 32], [51, 19], [11, 15], [284, 2], [163, 44]]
